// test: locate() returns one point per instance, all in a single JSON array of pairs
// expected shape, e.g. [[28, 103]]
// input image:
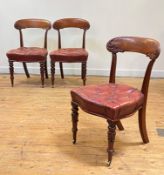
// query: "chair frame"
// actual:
[[70, 23], [147, 46], [25, 24]]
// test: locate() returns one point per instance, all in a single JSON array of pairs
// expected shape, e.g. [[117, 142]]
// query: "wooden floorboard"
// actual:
[[35, 131]]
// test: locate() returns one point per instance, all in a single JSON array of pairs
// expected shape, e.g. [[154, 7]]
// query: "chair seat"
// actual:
[[69, 55], [110, 101], [27, 54]]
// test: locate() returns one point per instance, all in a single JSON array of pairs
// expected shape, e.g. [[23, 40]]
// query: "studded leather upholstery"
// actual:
[[112, 101], [69, 55], [27, 54]]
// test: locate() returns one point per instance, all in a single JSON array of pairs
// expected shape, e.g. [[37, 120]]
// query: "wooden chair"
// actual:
[[29, 54], [69, 55], [117, 101]]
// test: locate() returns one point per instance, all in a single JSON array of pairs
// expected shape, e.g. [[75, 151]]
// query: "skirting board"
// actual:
[[90, 71]]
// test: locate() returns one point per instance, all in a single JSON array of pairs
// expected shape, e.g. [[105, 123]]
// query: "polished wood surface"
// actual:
[[71, 22], [32, 23], [35, 131]]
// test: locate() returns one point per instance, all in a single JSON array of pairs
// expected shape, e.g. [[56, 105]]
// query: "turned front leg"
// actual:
[[11, 69], [42, 69], [83, 72], [52, 72], [111, 139], [74, 120]]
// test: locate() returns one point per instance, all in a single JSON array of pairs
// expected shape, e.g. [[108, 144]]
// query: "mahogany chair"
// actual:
[[115, 101], [30, 54], [69, 55]]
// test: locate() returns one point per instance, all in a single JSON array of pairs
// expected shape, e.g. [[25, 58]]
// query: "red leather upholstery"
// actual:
[[69, 55], [112, 101], [27, 54]]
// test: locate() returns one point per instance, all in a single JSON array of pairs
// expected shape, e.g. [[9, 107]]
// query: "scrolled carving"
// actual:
[[153, 55], [74, 120], [113, 48], [147, 46]]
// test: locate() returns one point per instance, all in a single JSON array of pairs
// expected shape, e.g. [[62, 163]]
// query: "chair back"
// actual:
[[71, 23], [32, 23]]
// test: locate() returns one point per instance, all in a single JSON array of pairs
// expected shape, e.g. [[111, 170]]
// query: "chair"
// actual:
[[69, 55], [29, 54], [112, 101]]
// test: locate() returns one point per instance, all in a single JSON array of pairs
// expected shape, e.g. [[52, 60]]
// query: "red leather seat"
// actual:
[[30, 54], [69, 55], [114, 101]]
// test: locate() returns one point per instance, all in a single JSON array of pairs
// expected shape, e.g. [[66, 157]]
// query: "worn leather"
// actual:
[[69, 55], [111, 101], [27, 54]]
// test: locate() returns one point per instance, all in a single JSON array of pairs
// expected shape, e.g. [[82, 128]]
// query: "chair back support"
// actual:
[[32, 23], [147, 46], [71, 23]]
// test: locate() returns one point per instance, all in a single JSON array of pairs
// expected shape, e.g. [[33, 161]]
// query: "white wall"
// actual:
[[108, 18]]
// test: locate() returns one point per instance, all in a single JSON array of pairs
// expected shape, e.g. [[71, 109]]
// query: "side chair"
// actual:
[[113, 101], [29, 54]]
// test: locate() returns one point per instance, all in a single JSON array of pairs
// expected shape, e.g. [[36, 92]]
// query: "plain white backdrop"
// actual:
[[108, 19]]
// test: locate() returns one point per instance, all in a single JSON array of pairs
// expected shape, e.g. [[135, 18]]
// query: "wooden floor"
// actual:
[[35, 132]]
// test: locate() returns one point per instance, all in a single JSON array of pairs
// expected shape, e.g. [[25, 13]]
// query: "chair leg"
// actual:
[[26, 70], [111, 139], [119, 125], [74, 120], [142, 125], [83, 72], [11, 69], [61, 70], [42, 68], [46, 71], [52, 73]]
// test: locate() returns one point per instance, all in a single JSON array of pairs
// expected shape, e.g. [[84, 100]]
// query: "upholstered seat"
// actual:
[[114, 101], [28, 54], [69, 55]]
